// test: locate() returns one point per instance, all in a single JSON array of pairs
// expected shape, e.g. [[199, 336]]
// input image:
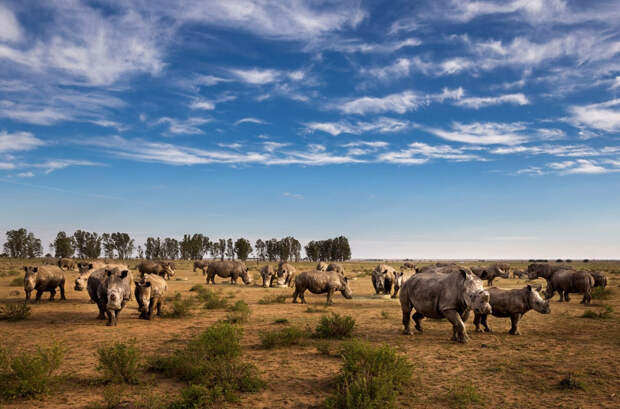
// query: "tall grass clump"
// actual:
[[273, 299], [28, 374], [14, 311], [16, 282], [601, 293], [178, 307], [210, 365], [120, 362], [603, 314], [335, 326], [282, 337], [463, 395], [369, 377], [238, 313]]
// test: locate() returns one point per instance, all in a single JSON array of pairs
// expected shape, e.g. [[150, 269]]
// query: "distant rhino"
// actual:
[[544, 270], [67, 263], [150, 294], [335, 267], [491, 272], [322, 266], [44, 278], [228, 269], [570, 281], [285, 275], [399, 279], [600, 279], [160, 268], [86, 268], [383, 277], [438, 295], [201, 265], [321, 282], [267, 274]]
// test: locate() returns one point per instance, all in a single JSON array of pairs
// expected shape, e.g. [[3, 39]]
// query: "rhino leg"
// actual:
[[151, 308], [587, 297], [514, 324], [295, 295], [330, 294], [388, 287], [374, 284], [396, 288], [37, 298], [459, 334], [28, 293], [407, 321], [301, 296], [159, 302], [477, 318], [52, 294], [417, 317], [62, 291], [101, 315], [109, 314], [566, 296], [490, 281], [484, 323]]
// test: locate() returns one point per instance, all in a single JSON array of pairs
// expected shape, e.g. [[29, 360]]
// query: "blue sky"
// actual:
[[425, 129]]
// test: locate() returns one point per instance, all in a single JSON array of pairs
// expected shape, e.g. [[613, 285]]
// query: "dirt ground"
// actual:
[[506, 371]]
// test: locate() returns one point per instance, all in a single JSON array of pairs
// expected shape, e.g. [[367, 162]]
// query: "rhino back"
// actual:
[[507, 302]]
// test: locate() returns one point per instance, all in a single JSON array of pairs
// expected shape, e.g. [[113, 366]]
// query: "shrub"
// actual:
[[210, 363], [17, 282], [280, 321], [570, 382], [369, 377], [281, 337], [238, 313], [14, 311], [604, 314], [178, 307], [323, 348], [273, 299], [600, 293], [211, 299], [28, 374], [385, 315], [120, 362], [335, 326], [463, 395], [113, 396]]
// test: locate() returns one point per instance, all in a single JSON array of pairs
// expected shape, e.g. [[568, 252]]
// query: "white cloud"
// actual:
[[584, 166], [400, 102], [250, 120], [9, 26], [358, 46], [604, 116], [189, 126], [272, 146], [479, 102], [557, 150], [230, 145], [293, 195], [256, 76], [57, 164], [25, 175], [381, 125], [483, 133], [18, 141], [202, 104], [371, 144], [419, 153]]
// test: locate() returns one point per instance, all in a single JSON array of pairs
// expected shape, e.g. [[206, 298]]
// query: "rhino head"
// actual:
[[475, 296], [379, 279], [168, 270], [267, 275], [116, 288], [346, 290], [143, 292], [30, 278], [536, 302], [246, 277]]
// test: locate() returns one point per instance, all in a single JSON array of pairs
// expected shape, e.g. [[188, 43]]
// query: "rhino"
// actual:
[[320, 282], [600, 279], [50, 261], [153, 267], [267, 274], [201, 265], [544, 270], [383, 277], [450, 295], [110, 289], [85, 268], [67, 263], [150, 293], [322, 266], [570, 281], [44, 278], [399, 280], [491, 272], [518, 273], [335, 267], [407, 266], [285, 275], [225, 269], [513, 304]]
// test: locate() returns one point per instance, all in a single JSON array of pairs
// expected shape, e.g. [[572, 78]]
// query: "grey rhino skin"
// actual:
[[450, 295], [86, 268], [321, 282], [160, 268], [335, 267], [407, 266], [44, 278], [150, 294], [570, 281], [544, 270], [225, 269], [383, 277], [110, 289], [491, 272], [600, 279], [267, 274], [513, 304], [285, 275], [440, 268], [518, 273], [399, 280], [51, 261], [202, 265], [322, 266], [67, 263]]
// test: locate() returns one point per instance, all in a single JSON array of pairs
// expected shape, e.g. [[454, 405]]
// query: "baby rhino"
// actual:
[[513, 304], [150, 293], [44, 278], [321, 282]]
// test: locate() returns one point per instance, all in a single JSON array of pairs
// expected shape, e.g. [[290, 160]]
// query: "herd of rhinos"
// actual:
[[434, 291]]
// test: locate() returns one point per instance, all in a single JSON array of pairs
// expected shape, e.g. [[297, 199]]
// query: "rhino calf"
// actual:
[[267, 274], [150, 293], [228, 269], [44, 278], [85, 269], [110, 289], [383, 277], [162, 269], [201, 265], [513, 304], [321, 282], [67, 263]]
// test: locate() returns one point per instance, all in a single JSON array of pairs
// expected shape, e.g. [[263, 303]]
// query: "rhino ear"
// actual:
[[124, 273], [529, 287], [25, 268], [90, 266], [464, 273], [35, 269], [108, 272], [147, 284]]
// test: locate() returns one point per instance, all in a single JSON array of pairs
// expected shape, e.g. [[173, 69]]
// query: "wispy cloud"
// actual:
[[557, 150], [18, 141], [57, 164], [188, 126], [479, 102], [483, 133], [293, 195], [400, 102], [381, 125], [418, 153], [604, 116], [250, 120]]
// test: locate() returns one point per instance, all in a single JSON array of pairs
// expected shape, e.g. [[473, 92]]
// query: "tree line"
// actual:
[[82, 244]]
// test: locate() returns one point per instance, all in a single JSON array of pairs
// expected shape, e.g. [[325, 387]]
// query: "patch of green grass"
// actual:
[[14, 311], [29, 373], [603, 314], [113, 395], [370, 378], [16, 282], [212, 300], [463, 395], [273, 299], [385, 315], [9, 273], [313, 309], [323, 348], [178, 307], [600, 293], [282, 337], [570, 382], [280, 321], [335, 326], [120, 362]]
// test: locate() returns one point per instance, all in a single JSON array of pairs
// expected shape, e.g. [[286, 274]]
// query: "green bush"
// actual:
[[28, 374], [463, 395], [273, 299], [120, 362], [570, 381], [335, 326], [17, 282], [282, 337], [210, 364], [113, 396], [369, 377], [14, 311], [600, 293], [323, 348], [238, 313], [280, 321], [178, 307], [604, 314]]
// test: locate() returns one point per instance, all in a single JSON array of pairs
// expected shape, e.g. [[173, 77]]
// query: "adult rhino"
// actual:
[[162, 269], [544, 270], [570, 281], [513, 304], [407, 266], [518, 273], [285, 275], [600, 279], [226, 269], [150, 294], [335, 267], [67, 263], [491, 272], [383, 277], [201, 265], [110, 289], [322, 266], [451, 296], [399, 280], [86, 268], [267, 274], [44, 278], [321, 282], [50, 261]]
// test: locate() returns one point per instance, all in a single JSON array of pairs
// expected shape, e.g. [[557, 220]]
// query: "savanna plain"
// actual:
[[566, 359]]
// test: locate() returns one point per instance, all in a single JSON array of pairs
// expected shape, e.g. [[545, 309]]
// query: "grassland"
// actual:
[[491, 371]]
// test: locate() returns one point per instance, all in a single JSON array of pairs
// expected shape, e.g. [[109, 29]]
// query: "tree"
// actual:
[[313, 249], [140, 252], [215, 249], [21, 244], [152, 248], [88, 245], [194, 247], [336, 249], [273, 249], [63, 245], [243, 248], [123, 245], [108, 245], [222, 248], [230, 249], [170, 249], [261, 250]]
